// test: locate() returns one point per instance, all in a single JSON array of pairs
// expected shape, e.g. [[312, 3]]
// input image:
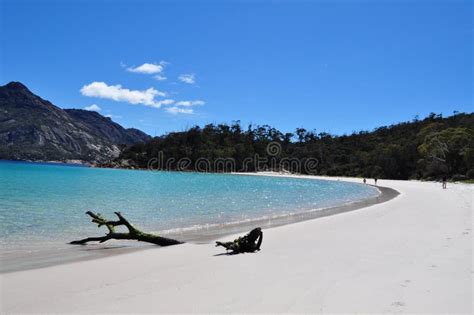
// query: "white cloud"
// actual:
[[119, 94], [163, 102], [159, 77], [148, 68], [190, 103], [174, 110], [187, 78], [93, 108]]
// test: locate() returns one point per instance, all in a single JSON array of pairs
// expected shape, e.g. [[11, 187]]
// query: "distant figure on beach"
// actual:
[[444, 182], [365, 181], [375, 180]]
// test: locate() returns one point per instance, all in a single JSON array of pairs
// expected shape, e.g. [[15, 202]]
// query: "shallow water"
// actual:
[[42, 206]]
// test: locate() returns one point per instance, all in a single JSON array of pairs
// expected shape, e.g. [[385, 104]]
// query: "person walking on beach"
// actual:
[[375, 180], [444, 182], [365, 181]]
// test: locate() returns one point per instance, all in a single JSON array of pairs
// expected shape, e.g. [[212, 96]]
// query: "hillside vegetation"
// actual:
[[429, 148]]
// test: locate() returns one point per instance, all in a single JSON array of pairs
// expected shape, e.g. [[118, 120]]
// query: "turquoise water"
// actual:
[[43, 204]]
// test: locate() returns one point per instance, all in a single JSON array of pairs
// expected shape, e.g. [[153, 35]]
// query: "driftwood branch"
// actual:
[[248, 243], [133, 232]]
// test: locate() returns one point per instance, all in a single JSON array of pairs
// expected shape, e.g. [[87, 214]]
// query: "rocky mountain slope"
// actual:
[[32, 128]]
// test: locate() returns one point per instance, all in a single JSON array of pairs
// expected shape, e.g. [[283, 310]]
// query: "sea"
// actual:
[[42, 206]]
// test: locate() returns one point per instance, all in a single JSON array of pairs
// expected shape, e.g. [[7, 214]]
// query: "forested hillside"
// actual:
[[429, 148]]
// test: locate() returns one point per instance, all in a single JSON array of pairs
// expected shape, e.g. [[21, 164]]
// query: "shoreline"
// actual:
[[410, 255], [192, 235], [216, 231]]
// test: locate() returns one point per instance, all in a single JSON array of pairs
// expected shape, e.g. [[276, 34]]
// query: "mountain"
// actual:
[[32, 128]]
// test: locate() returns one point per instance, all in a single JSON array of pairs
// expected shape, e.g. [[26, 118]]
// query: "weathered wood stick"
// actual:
[[133, 232]]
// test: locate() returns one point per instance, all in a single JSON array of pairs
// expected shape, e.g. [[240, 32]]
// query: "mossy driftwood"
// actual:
[[133, 232], [248, 243]]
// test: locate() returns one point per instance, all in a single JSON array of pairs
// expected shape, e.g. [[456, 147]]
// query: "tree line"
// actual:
[[428, 148]]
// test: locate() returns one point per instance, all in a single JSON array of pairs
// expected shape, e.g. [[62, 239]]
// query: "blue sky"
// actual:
[[335, 66]]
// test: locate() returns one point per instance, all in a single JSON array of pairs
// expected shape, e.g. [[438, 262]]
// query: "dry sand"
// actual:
[[410, 254]]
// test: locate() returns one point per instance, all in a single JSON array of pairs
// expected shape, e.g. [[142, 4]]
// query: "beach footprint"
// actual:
[[398, 304]]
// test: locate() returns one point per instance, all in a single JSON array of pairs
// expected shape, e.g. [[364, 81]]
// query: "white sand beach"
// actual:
[[411, 254]]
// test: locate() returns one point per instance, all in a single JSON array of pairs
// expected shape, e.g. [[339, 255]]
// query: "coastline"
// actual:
[[217, 231], [412, 254], [71, 163], [194, 235]]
